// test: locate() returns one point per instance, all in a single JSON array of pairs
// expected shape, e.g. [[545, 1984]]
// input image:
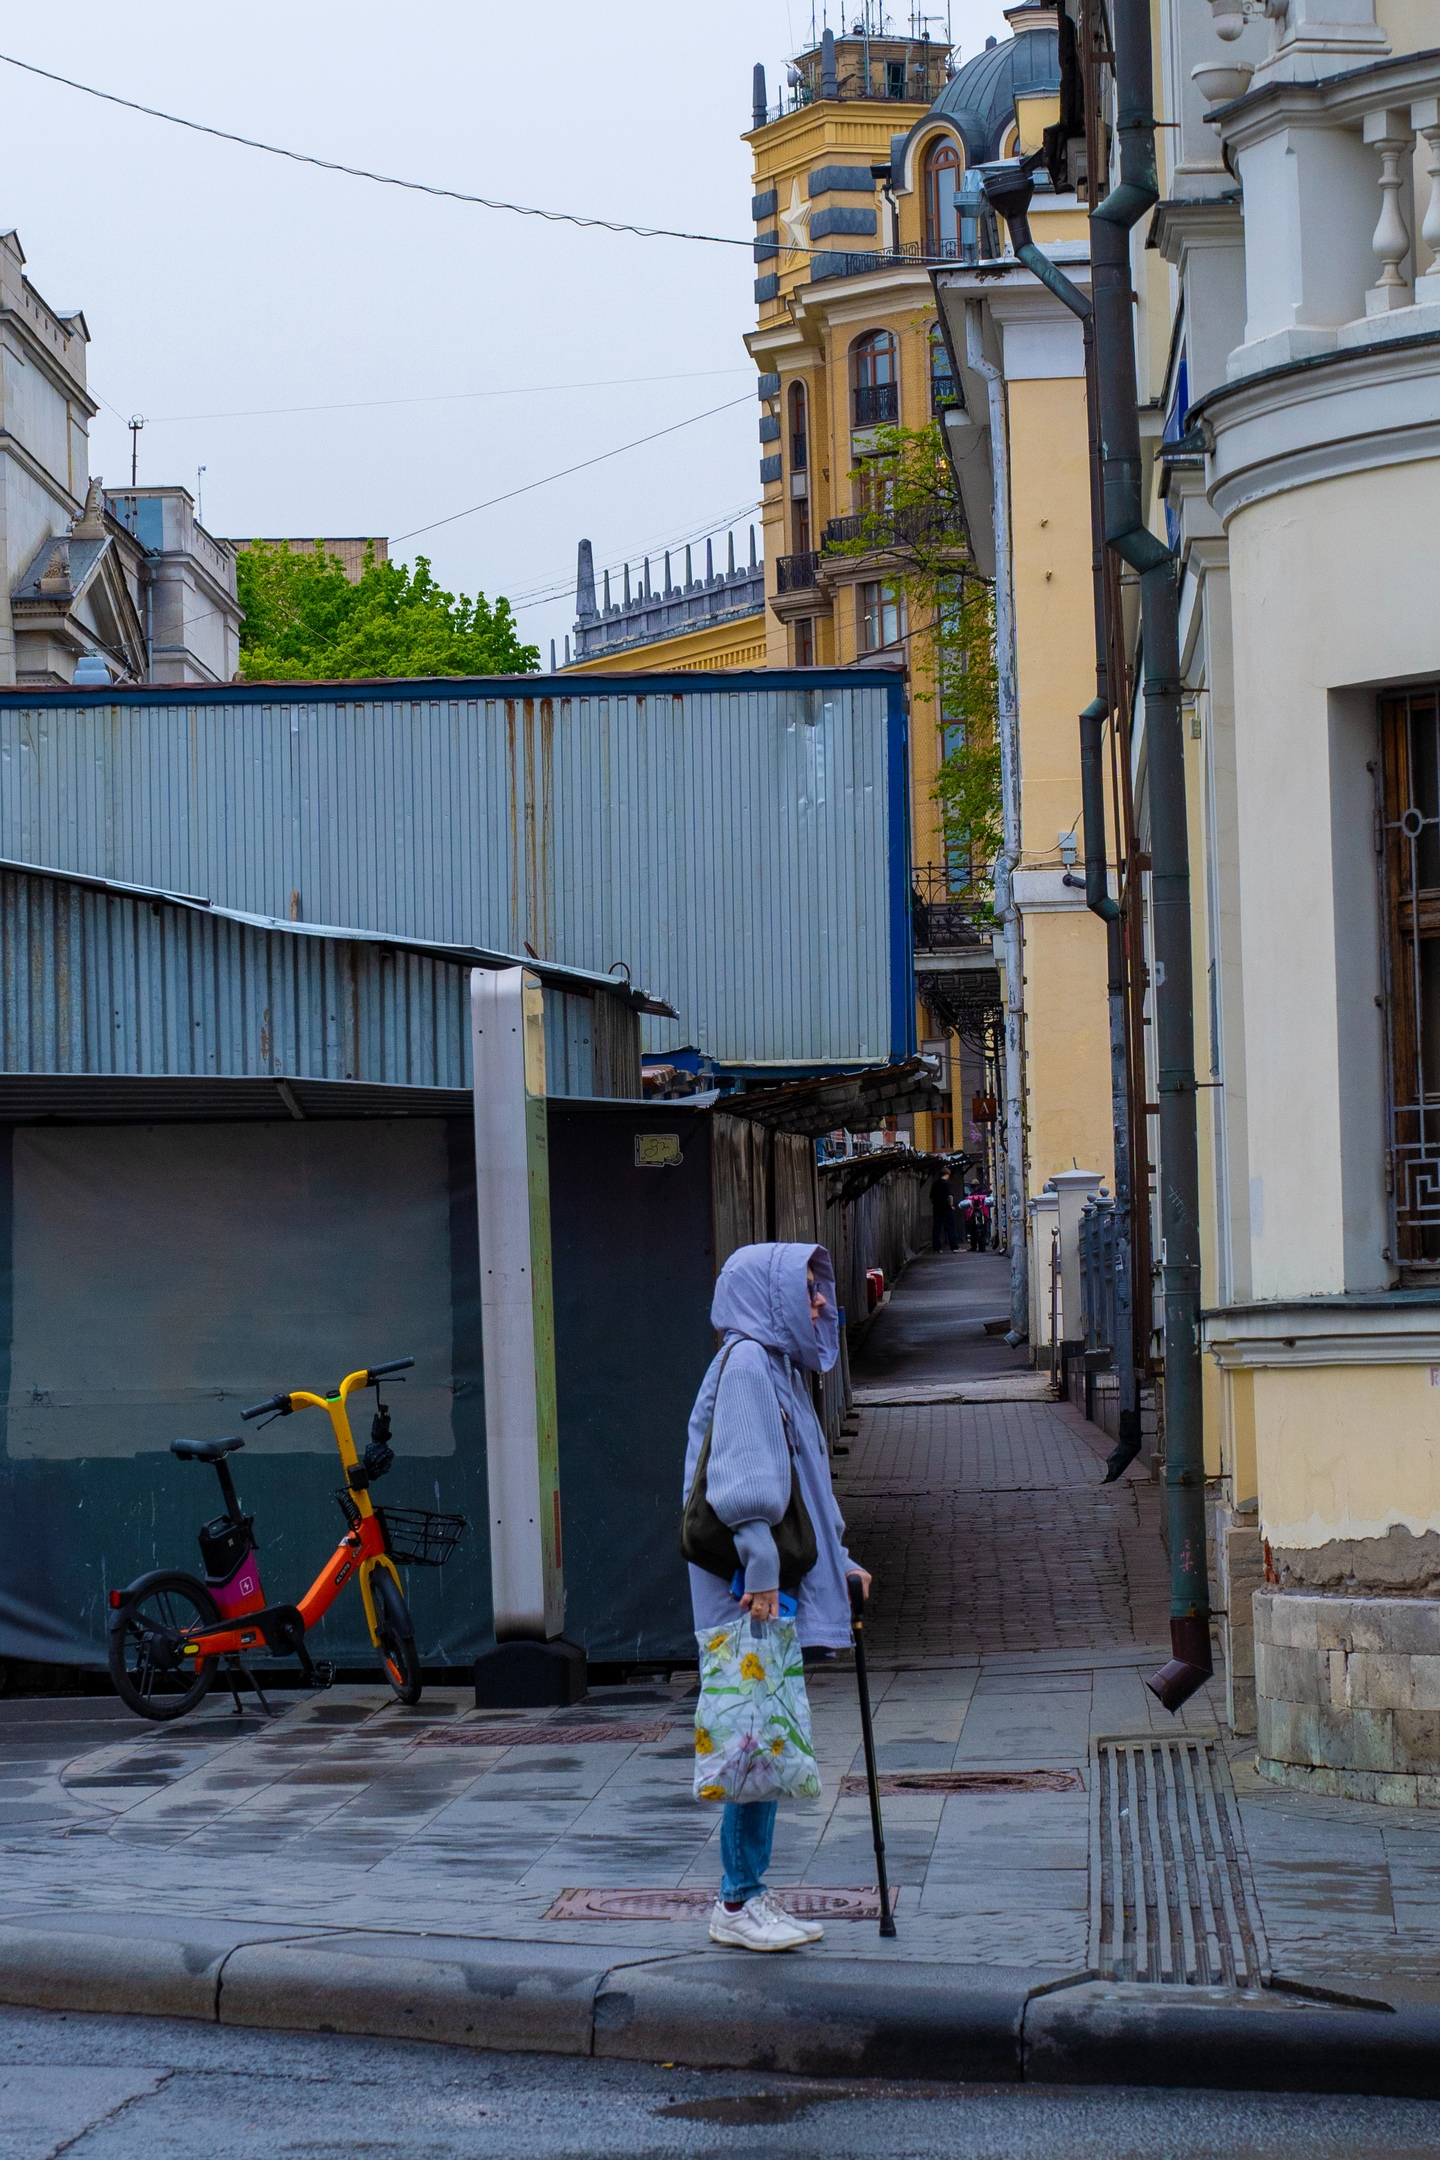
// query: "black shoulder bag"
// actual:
[[708, 1543]]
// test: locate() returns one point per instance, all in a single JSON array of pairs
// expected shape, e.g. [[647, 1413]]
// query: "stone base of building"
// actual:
[[1239, 1571], [1348, 1695]]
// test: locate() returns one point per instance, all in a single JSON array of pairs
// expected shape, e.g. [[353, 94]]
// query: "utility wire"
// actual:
[[557, 587], [425, 187], [362, 172], [530, 485]]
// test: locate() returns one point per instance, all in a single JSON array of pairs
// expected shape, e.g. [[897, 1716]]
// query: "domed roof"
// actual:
[[979, 99]]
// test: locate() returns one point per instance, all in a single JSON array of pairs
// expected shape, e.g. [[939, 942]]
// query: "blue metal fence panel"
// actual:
[[735, 839], [100, 982]]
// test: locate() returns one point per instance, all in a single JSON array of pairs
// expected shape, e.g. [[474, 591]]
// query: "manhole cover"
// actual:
[[554, 1734], [695, 1904], [967, 1781], [1171, 1897]]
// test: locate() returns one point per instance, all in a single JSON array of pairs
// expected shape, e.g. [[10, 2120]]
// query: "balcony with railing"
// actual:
[[868, 66], [944, 918], [939, 521], [876, 404], [797, 573]]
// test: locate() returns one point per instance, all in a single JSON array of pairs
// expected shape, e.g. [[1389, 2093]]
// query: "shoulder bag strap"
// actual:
[[703, 1457]]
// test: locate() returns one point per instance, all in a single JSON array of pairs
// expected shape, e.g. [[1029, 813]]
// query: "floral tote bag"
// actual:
[[752, 1721]]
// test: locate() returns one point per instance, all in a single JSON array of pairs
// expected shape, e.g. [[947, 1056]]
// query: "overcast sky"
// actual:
[[476, 351]]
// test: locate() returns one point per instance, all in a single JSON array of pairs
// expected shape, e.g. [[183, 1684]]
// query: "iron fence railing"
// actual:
[[876, 403], [1104, 1280], [796, 573], [898, 528]]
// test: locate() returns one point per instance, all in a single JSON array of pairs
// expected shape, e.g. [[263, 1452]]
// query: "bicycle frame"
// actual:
[[361, 1551]]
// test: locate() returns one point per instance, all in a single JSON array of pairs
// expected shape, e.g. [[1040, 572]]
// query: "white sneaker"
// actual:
[[810, 1929], [757, 1926]]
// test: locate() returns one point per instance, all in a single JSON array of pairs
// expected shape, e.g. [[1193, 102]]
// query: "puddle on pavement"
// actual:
[[745, 2111]]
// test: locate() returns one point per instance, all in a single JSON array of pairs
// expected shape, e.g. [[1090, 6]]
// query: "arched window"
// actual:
[[799, 437], [875, 378], [942, 208], [1010, 147]]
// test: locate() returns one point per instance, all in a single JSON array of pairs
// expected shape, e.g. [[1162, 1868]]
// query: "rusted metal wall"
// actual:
[[740, 842], [104, 982], [883, 1228]]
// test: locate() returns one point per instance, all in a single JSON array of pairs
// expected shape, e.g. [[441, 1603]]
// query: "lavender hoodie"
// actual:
[[761, 1309]]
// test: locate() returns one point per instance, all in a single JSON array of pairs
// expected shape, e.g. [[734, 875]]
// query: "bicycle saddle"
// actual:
[[204, 1450]]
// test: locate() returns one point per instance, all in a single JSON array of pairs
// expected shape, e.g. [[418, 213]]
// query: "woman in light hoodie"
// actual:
[[775, 1311]]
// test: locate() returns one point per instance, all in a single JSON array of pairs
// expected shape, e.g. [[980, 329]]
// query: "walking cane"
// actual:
[[857, 1636]]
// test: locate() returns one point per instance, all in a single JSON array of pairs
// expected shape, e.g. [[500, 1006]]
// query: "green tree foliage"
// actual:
[[305, 621], [911, 513]]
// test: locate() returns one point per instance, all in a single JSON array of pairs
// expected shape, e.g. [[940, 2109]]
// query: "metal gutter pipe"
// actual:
[[1007, 727], [1126, 532]]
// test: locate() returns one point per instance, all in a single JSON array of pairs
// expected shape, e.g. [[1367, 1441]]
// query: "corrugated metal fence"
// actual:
[[102, 982], [740, 842]]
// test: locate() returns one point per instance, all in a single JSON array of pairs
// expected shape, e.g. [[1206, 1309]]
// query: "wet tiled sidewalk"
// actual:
[[1019, 1605]]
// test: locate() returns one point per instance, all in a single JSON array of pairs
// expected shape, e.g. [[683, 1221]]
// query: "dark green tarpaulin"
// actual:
[[155, 1278]]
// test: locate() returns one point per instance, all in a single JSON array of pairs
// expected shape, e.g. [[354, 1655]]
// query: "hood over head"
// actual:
[[761, 1293]]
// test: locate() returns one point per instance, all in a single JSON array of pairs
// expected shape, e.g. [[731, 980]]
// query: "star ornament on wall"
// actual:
[[795, 222]]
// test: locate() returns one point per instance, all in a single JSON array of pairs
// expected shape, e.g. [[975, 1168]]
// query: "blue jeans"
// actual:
[[747, 1829]]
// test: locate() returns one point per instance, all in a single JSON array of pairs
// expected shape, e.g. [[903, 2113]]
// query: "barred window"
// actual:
[[1410, 817]]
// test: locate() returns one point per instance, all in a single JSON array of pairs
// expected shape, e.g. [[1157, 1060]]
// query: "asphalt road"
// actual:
[[101, 2088]]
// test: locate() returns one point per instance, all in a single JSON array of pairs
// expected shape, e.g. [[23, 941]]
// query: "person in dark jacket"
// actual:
[[944, 1224]]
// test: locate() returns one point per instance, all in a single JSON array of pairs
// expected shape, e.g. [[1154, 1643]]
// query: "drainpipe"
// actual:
[[1007, 726], [1190, 1665], [1010, 190]]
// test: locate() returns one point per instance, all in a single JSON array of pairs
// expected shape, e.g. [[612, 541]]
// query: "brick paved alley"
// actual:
[[986, 1525]]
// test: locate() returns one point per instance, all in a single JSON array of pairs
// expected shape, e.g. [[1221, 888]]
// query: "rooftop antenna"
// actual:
[[136, 422], [200, 472]]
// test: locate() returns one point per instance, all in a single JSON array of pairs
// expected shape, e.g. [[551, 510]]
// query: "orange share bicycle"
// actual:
[[170, 1633]]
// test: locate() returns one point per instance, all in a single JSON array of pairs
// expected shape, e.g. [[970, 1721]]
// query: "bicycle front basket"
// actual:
[[418, 1539]]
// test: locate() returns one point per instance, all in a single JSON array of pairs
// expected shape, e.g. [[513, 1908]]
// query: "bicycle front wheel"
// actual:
[[398, 1654], [152, 1675]]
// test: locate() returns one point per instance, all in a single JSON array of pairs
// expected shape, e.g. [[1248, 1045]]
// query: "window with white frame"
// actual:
[[882, 616]]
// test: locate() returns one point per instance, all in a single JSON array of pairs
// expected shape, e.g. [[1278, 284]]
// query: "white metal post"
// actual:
[[512, 1190]]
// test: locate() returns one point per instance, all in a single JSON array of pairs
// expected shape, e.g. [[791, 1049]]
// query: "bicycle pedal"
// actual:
[[322, 1674]]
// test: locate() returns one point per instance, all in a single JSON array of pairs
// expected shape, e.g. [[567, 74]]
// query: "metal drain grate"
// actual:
[[1170, 1891]]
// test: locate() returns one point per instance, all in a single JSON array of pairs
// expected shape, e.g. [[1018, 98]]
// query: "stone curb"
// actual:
[[711, 2010]]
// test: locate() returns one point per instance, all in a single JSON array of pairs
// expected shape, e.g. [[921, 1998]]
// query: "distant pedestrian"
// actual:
[[775, 1311], [944, 1220], [978, 1221]]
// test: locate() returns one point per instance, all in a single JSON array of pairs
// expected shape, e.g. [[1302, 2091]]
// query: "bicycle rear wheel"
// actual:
[[398, 1654], [151, 1674]]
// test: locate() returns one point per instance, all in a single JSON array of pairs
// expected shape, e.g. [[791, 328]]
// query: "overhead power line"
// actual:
[[556, 587], [362, 172], [530, 485]]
